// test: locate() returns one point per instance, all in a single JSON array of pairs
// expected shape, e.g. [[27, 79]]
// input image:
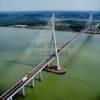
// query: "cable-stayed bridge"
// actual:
[[8, 95]]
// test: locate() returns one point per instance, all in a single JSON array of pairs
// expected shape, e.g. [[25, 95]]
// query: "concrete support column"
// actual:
[[10, 98], [32, 83], [40, 75], [23, 91]]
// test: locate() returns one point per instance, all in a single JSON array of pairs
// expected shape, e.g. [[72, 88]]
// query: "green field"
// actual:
[[20, 52]]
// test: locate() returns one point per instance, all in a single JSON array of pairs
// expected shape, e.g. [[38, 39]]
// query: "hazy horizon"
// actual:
[[49, 5], [52, 11]]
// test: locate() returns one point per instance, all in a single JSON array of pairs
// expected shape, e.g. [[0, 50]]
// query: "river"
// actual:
[[22, 49]]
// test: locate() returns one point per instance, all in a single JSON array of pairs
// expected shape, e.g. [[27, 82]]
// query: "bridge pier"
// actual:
[[23, 91], [40, 75], [32, 83], [10, 98]]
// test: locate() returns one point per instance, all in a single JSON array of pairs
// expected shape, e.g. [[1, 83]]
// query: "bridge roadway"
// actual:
[[21, 83]]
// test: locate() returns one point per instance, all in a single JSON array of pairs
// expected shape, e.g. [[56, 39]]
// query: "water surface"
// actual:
[[20, 52]]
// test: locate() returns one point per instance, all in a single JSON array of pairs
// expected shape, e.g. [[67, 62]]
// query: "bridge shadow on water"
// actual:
[[76, 53], [19, 62], [71, 59]]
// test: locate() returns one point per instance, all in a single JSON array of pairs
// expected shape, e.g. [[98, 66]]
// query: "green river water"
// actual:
[[22, 49]]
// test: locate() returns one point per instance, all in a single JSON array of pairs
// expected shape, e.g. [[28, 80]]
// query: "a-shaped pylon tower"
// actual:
[[53, 46]]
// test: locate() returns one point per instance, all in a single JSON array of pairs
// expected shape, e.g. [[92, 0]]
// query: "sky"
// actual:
[[31, 5]]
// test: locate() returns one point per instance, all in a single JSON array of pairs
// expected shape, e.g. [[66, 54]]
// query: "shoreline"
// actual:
[[41, 28]]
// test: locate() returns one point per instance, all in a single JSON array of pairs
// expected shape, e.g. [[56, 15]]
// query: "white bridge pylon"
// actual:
[[54, 42]]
